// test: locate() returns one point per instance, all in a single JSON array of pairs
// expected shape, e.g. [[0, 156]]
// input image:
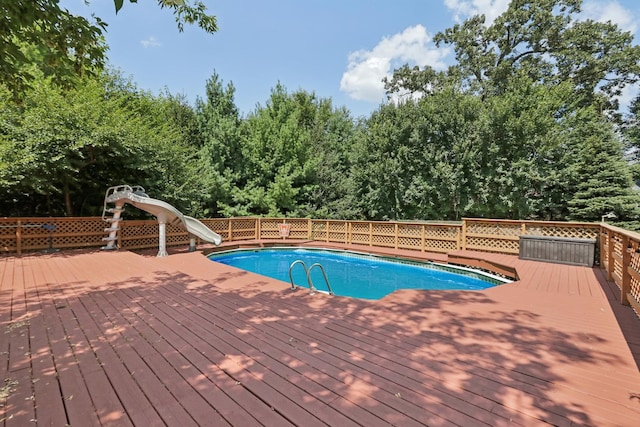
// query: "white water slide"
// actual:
[[163, 211]]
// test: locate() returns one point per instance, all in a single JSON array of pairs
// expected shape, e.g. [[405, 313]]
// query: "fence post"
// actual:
[[603, 244], [625, 287], [423, 239], [370, 234], [463, 237], [230, 231], [611, 263], [395, 237], [257, 225], [19, 238], [309, 229]]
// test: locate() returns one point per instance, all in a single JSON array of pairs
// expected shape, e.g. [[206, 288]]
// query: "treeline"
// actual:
[[537, 138]]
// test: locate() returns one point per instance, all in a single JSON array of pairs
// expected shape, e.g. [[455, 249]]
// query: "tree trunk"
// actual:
[[67, 200]]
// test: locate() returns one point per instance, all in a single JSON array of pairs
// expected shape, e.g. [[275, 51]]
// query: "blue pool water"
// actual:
[[354, 275]]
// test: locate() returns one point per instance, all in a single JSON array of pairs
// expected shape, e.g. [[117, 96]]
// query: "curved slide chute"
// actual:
[[163, 211]]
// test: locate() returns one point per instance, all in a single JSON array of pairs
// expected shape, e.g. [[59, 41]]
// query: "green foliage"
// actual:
[[61, 150], [536, 69], [543, 40], [291, 159], [632, 133], [185, 13], [602, 177], [38, 36], [523, 127], [218, 142]]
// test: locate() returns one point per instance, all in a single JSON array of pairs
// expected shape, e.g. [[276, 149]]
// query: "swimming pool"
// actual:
[[354, 274]]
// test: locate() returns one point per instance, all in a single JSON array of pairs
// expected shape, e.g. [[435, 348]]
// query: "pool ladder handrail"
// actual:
[[312, 288]]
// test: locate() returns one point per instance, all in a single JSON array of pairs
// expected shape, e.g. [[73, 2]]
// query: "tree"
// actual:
[[221, 160], [535, 70], [390, 173], [541, 39], [275, 148], [420, 159], [293, 158], [330, 192], [601, 174], [59, 150], [40, 34], [631, 130]]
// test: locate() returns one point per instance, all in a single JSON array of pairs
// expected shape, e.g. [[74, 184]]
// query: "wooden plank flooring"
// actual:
[[117, 338]]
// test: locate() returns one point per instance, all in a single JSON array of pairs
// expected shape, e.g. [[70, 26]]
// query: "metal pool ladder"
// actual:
[[307, 271]]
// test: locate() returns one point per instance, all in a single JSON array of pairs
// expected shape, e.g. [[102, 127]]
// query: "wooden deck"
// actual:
[[117, 338]]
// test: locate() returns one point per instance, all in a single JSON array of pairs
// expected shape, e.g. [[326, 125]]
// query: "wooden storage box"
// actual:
[[562, 250]]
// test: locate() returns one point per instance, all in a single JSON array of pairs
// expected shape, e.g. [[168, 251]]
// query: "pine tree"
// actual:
[[601, 173]]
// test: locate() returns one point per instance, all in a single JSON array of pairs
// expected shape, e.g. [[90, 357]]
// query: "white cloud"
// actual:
[[367, 68], [610, 11], [597, 10], [463, 9], [152, 41]]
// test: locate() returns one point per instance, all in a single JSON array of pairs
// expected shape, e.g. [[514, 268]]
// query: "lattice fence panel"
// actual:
[[299, 228], [35, 236], [360, 239], [319, 230], [337, 237], [218, 225], [337, 227], [360, 227], [242, 229], [337, 232], [8, 237], [617, 263], [410, 230], [604, 244], [58, 233], [269, 228], [442, 246], [359, 233], [382, 228], [384, 241], [176, 235], [410, 236], [494, 229], [560, 230], [139, 234], [437, 232], [489, 244], [414, 243], [635, 265]]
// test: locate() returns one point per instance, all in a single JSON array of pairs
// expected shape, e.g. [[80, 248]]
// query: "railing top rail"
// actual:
[[631, 234], [533, 221]]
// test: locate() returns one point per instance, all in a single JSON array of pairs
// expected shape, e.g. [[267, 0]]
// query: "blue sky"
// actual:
[[339, 49]]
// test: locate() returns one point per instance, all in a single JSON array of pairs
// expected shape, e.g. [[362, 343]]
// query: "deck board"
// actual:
[[117, 338]]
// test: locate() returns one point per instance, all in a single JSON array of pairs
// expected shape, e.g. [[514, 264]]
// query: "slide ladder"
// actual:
[[312, 288], [112, 196]]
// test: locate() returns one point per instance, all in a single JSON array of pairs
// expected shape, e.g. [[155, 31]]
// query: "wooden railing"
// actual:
[[619, 249], [28, 234], [620, 257]]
